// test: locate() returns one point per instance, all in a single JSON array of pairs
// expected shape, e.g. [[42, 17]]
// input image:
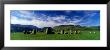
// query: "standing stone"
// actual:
[[25, 32], [49, 30], [77, 32], [62, 31], [70, 31], [34, 31], [74, 32]]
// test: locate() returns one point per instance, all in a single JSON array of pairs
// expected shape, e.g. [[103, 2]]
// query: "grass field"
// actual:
[[84, 35]]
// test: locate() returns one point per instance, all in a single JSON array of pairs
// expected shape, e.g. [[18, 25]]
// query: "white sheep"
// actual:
[[90, 32], [94, 32]]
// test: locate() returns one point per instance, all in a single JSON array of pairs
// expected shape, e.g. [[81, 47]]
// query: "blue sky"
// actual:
[[51, 18]]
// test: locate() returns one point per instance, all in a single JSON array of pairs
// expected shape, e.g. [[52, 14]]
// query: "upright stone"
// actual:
[[74, 32], [77, 32], [62, 31], [71, 32], [49, 30], [25, 32], [34, 31]]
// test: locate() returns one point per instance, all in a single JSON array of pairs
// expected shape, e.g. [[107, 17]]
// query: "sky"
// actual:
[[51, 18]]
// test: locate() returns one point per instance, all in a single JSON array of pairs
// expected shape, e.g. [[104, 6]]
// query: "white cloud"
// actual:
[[39, 21], [89, 19], [35, 22], [57, 18], [61, 17], [15, 20], [23, 14]]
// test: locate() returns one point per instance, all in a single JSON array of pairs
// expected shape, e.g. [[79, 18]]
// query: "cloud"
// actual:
[[15, 20], [59, 18], [89, 19], [44, 20], [23, 14], [38, 23]]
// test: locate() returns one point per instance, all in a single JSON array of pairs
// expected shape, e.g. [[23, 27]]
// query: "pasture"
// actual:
[[84, 35]]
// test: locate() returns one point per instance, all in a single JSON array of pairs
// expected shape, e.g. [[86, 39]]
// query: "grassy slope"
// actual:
[[85, 35]]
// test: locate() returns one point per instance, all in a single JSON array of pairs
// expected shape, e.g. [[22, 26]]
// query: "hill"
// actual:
[[21, 28]]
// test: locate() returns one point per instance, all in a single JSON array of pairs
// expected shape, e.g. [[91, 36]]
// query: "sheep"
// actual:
[[90, 32], [71, 32], [94, 32]]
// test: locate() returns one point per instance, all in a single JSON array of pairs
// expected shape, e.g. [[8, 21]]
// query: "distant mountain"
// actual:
[[21, 28]]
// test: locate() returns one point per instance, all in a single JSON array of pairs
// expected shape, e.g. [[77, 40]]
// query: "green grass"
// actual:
[[84, 35]]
